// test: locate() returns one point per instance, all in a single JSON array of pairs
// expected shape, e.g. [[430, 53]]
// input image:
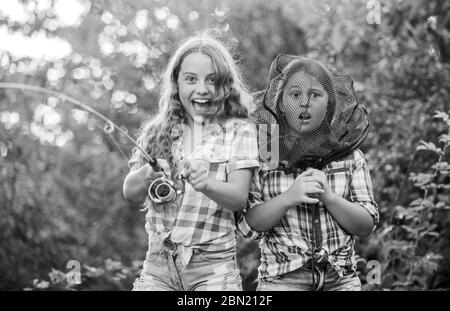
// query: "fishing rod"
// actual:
[[161, 190]]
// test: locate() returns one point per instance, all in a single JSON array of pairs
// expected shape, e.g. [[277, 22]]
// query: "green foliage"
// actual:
[[61, 174], [112, 275], [413, 247]]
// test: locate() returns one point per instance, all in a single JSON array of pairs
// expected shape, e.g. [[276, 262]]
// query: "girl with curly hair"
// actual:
[[201, 133]]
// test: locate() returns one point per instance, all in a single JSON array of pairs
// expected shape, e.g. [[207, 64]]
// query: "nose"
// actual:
[[202, 89], [304, 100]]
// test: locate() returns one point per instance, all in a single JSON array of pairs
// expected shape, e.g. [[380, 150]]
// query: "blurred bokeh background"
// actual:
[[61, 173]]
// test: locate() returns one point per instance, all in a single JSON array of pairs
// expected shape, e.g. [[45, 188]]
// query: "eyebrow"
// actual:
[[188, 73], [194, 74], [311, 89], [317, 90]]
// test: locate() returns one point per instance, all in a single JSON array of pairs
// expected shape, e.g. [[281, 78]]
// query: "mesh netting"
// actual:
[[316, 110]]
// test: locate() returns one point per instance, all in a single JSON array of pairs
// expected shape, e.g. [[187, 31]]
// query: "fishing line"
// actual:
[[161, 190], [65, 98]]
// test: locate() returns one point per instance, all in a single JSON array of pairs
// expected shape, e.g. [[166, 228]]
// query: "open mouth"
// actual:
[[304, 116], [203, 106]]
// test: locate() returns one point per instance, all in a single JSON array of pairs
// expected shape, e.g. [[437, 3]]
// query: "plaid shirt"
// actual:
[[194, 220], [286, 247]]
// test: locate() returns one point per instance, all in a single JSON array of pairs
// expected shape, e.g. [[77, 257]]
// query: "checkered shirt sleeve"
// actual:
[[360, 187], [136, 159], [255, 197]]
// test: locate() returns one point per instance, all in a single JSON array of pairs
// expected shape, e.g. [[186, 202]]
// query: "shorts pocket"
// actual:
[[219, 256]]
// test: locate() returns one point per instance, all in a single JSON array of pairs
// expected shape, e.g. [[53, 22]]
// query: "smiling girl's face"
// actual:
[[304, 103], [196, 86]]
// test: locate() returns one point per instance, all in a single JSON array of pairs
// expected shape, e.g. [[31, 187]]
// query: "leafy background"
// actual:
[[61, 174]]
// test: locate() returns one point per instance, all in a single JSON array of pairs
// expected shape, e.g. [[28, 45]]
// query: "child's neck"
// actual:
[[197, 121]]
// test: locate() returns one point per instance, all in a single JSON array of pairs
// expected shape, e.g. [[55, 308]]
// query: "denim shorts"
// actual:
[[324, 279], [205, 271]]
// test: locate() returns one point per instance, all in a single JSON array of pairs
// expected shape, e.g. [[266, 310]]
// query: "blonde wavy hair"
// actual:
[[231, 94]]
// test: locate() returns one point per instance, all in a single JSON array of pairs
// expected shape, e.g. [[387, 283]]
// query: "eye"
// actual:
[[295, 95], [315, 95], [189, 78], [211, 79]]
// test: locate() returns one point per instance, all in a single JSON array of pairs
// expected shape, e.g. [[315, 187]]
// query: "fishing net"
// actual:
[[316, 111]]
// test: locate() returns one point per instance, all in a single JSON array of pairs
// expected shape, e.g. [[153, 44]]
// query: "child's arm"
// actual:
[[351, 216], [232, 194], [243, 159], [138, 180], [255, 198], [264, 216], [359, 215]]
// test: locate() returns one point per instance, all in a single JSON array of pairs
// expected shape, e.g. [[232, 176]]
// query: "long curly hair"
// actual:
[[231, 95]]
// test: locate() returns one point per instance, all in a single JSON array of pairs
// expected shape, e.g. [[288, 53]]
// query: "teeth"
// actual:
[[201, 101], [203, 106]]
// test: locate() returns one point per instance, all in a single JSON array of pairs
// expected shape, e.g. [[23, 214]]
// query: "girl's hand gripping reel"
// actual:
[[162, 189]]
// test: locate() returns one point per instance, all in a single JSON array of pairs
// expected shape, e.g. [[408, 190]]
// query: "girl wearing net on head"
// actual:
[[307, 209]]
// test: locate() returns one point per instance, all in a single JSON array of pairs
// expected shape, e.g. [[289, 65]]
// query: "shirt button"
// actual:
[[316, 221]]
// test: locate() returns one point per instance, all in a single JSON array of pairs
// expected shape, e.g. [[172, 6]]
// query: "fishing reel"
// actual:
[[164, 190]]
